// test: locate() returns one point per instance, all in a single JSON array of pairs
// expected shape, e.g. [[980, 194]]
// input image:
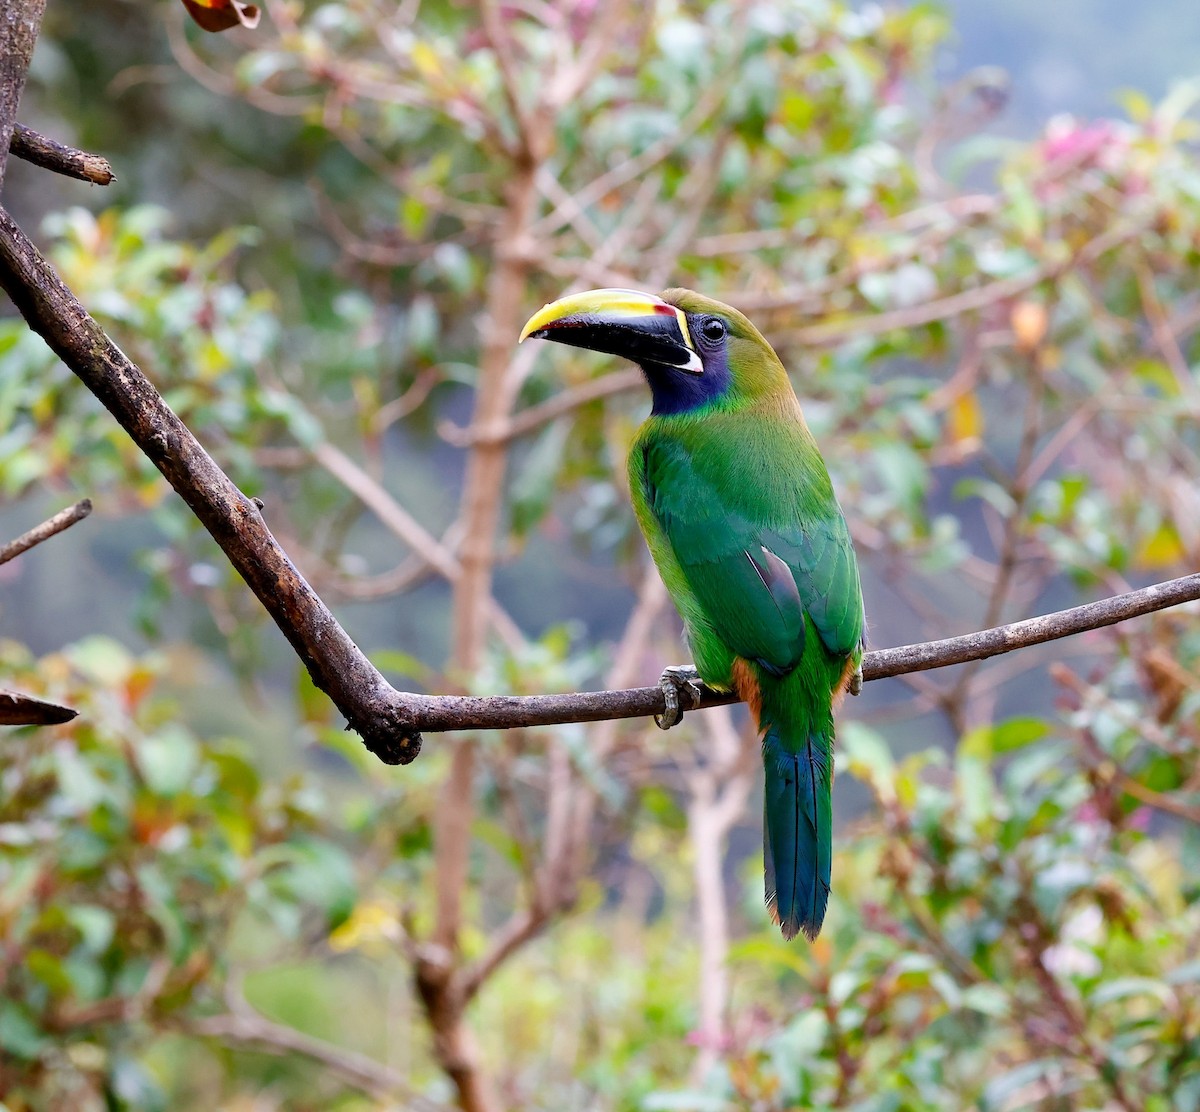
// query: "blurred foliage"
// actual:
[[133, 858], [356, 205]]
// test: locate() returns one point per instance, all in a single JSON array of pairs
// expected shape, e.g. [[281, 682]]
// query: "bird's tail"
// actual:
[[797, 817]]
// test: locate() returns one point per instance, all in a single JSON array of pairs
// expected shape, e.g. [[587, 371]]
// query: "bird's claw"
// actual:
[[673, 681], [856, 682]]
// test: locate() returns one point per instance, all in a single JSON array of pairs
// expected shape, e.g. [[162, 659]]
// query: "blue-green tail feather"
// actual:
[[797, 827]]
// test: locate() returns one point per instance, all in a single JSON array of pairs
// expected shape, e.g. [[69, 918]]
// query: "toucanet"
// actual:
[[741, 519]]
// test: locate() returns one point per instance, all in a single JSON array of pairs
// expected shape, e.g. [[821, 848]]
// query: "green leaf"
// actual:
[[96, 926], [684, 1101], [78, 783], [999, 1090], [770, 950], [102, 660], [414, 216], [167, 759], [1184, 974], [988, 741], [976, 788], [865, 752], [19, 1034], [1024, 209], [986, 999], [1123, 987], [319, 874], [48, 969]]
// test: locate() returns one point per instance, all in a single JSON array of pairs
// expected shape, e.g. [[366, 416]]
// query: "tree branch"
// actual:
[[390, 721], [533, 418], [20, 21], [496, 712], [1032, 631], [336, 664], [525, 924], [64, 519], [33, 147], [245, 1027]]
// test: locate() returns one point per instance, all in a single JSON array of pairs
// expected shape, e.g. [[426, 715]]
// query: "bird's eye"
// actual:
[[713, 329]]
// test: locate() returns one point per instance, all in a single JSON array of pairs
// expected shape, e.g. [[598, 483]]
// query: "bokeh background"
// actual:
[[973, 233]]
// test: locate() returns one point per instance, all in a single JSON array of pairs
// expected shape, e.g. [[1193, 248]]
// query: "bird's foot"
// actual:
[[676, 680], [856, 682]]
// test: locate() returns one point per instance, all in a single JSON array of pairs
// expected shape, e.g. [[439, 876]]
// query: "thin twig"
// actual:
[[524, 925], [33, 147], [64, 519], [390, 513], [342, 584], [493, 22], [719, 790], [408, 402], [1032, 631], [533, 418], [246, 1027], [448, 712]]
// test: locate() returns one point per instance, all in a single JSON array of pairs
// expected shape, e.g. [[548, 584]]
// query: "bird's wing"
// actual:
[[821, 558], [756, 583]]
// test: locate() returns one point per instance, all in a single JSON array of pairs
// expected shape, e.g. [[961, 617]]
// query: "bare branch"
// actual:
[[342, 584], [449, 712], [64, 519], [533, 418], [949, 215], [607, 24], [1009, 544], [503, 50], [553, 890], [409, 402], [245, 1027], [33, 147], [524, 926], [392, 515], [833, 331], [1032, 631], [20, 21]]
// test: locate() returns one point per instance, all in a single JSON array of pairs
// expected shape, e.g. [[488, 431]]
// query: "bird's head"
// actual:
[[694, 352]]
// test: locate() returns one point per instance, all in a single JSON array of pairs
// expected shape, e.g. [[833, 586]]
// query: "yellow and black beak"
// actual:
[[636, 326]]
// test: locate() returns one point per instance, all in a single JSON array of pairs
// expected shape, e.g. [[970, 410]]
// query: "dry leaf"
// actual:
[[1163, 549], [965, 419], [220, 15]]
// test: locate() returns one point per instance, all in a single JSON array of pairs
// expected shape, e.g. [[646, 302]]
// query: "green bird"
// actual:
[[736, 506]]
